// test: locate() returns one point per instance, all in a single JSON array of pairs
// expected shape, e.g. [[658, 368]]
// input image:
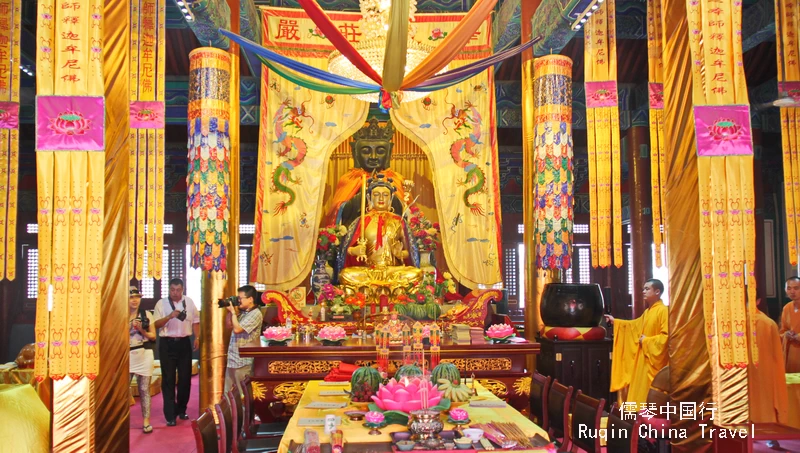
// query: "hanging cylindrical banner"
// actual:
[[658, 176], [602, 136], [552, 91], [208, 178], [146, 141]]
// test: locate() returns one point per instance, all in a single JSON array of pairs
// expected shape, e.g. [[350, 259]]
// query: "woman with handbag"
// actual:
[[142, 334]]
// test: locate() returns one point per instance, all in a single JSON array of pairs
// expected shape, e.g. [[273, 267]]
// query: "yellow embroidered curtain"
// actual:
[[456, 129], [602, 129], [146, 140], [299, 131], [789, 84], [655, 67], [10, 16], [70, 178], [725, 176]]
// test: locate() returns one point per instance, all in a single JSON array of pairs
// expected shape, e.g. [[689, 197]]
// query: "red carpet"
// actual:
[[172, 439]]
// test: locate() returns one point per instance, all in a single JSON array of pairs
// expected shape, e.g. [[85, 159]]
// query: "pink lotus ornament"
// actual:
[[70, 123], [278, 334], [458, 415], [500, 332], [331, 334], [406, 396], [374, 417]]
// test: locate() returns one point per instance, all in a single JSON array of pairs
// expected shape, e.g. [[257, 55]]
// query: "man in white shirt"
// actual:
[[177, 318]]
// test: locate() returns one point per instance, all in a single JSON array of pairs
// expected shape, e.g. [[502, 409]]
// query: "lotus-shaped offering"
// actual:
[[399, 399], [277, 336], [331, 335], [374, 417], [500, 333], [458, 415]]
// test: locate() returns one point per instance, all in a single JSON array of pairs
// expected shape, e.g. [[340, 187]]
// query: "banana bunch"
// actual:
[[455, 393]]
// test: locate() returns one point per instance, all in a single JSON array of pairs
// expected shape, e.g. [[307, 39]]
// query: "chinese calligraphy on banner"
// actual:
[[602, 127], [789, 84], [10, 16], [146, 140], [70, 162], [725, 178]]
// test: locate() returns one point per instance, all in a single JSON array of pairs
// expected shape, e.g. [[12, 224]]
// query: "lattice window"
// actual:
[[165, 273], [580, 228], [32, 228], [630, 270], [148, 285], [510, 271], [247, 228], [33, 273], [243, 266], [521, 228], [177, 268], [568, 273], [584, 266]]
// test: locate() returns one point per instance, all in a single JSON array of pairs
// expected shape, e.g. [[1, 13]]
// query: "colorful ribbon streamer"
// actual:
[[725, 179], [602, 124]]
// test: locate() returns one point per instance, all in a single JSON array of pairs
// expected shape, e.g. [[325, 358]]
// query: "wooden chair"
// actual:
[[559, 399], [540, 385], [250, 429], [586, 411], [206, 433], [616, 441], [227, 425], [242, 445]]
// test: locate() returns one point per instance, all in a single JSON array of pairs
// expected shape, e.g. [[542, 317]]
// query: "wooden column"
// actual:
[[641, 213]]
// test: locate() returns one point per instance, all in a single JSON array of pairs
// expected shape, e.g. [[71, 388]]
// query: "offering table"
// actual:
[[356, 433], [281, 373]]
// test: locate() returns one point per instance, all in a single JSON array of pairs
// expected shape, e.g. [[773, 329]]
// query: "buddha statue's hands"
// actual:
[[397, 250], [357, 250]]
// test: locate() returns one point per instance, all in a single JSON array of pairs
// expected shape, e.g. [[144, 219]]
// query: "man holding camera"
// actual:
[[245, 322], [176, 319]]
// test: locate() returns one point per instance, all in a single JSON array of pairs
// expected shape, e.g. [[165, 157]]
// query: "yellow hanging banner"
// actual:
[[70, 140], [725, 178], [658, 177], [10, 16], [146, 141], [789, 86], [602, 124]]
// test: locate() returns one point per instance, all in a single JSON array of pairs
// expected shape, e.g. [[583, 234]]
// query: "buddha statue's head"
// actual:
[[380, 192], [372, 146]]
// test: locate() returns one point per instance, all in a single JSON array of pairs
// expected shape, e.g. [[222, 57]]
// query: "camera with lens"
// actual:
[[145, 321], [181, 316], [232, 300]]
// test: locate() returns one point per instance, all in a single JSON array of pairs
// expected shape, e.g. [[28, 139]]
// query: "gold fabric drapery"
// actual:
[[9, 134], [146, 158], [725, 178], [690, 373], [70, 188], [655, 69], [602, 128], [788, 49]]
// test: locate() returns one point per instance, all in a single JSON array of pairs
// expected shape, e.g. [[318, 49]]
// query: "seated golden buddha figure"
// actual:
[[372, 154], [376, 250]]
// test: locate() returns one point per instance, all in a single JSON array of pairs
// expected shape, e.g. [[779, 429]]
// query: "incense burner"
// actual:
[[424, 424]]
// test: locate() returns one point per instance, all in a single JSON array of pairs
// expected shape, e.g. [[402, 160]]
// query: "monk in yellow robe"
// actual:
[[790, 326], [640, 347], [769, 400]]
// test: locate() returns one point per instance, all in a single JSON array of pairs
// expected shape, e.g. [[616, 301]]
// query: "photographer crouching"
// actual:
[[244, 318]]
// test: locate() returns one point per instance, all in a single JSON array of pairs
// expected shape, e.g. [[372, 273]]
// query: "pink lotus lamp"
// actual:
[[408, 395], [500, 333]]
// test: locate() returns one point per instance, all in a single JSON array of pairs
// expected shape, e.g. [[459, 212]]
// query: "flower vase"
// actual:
[[319, 276], [425, 261]]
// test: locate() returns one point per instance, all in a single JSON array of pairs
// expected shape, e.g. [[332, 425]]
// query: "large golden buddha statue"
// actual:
[[372, 154], [376, 250]]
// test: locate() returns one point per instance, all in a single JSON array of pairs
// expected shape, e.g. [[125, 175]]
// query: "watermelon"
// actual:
[[410, 371], [416, 311], [445, 371], [433, 311], [365, 383], [401, 309]]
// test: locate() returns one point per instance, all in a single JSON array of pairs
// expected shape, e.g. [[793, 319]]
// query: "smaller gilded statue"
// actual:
[[376, 250]]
